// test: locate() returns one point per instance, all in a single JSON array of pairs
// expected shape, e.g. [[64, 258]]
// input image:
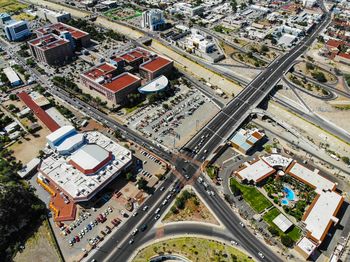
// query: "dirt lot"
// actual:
[[39, 248], [27, 148], [194, 210]]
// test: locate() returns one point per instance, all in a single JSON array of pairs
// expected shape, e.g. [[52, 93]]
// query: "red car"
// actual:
[[77, 238]]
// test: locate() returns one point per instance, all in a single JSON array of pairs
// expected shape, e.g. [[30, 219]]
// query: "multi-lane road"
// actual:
[[233, 115], [117, 248]]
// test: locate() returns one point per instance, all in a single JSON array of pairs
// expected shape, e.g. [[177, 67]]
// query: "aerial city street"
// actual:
[[164, 130]]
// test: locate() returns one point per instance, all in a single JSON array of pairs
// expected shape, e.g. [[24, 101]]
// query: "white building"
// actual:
[[53, 16], [86, 169], [12, 76], [198, 41], [186, 9], [152, 19], [16, 30], [309, 3]]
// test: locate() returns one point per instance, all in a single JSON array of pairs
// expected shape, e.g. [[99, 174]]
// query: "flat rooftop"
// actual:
[[155, 64], [309, 177], [322, 213], [255, 171], [77, 185], [276, 160], [132, 56], [121, 81]]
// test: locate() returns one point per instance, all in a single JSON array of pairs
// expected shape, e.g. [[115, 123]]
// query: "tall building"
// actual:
[[56, 43], [51, 49], [80, 38], [16, 30], [153, 19]]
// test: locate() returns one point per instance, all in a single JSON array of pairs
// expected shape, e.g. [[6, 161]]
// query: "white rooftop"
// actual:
[[89, 156], [75, 184], [255, 171], [282, 222], [59, 133], [311, 177], [323, 213], [29, 167], [11, 75], [276, 160], [156, 85], [307, 246], [70, 143]]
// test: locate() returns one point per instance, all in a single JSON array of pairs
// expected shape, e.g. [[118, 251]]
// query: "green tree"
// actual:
[[273, 231], [265, 49], [287, 241], [346, 160], [233, 4], [129, 176], [13, 97], [142, 183]]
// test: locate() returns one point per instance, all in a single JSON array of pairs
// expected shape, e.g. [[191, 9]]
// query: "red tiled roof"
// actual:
[[99, 71], [132, 56], [39, 112], [121, 82], [155, 64], [334, 43], [60, 27], [48, 41], [344, 55]]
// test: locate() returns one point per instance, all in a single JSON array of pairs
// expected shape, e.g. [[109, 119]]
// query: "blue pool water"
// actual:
[[289, 193], [284, 201]]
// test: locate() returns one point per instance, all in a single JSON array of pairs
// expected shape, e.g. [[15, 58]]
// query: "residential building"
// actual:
[[153, 19], [16, 30]]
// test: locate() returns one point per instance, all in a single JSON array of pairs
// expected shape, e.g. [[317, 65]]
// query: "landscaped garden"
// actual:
[[194, 249], [291, 194], [289, 237], [304, 83], [251, 195], [122, 14], [188, 207]]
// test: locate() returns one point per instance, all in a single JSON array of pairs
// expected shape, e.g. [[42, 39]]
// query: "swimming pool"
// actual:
[[290, 195], [284, 201]]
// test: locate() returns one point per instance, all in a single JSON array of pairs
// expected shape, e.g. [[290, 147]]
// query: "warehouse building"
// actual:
[[12, 76]]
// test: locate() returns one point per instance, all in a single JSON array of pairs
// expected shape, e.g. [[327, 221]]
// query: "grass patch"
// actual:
[[212, 171], [123, 14], [129, 110], [342, 107], [347, 79], [23, 16], [252, 196], [10, 6], [194, 249], [294, 234]]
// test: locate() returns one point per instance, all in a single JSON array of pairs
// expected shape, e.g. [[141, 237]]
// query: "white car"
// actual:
[[234, 243], [145, 208], [242, 224], [261, 255]]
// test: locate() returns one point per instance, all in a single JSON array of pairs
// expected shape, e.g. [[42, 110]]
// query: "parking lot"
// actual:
[[173, 122]]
